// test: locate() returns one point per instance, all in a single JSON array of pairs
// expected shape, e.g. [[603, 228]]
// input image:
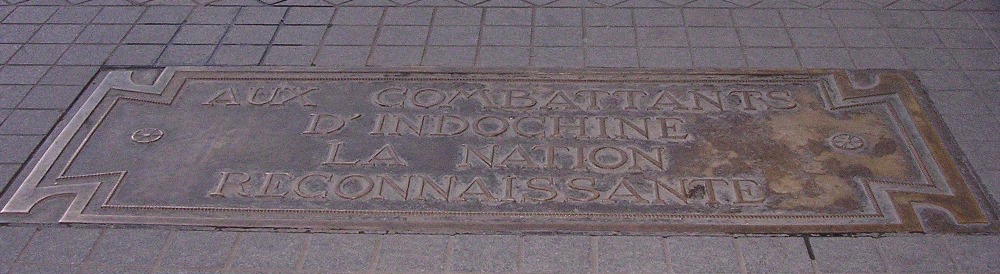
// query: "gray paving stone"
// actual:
[[135, 55], [557, 254], [708, 17], [987, 82], [59, 246], [358, 16], [390, 56], [630, 254], [260, 15], [599, 17], [50, 97], [975, 254], [877, 58], [565, 57], [30, 14], [151, 34], [806, 18], [68, 75], [485, 253], [950, 19], [269, 250], [413, 253], [662, 37], [713, 37], [17, 148], [505, 36], [932, 59], [977, 59], [965, 39], [299, 35], [118, 15], [914, 38], [21, 75], [309, 15], [772, 255], [764, 37], [902, 19], [703, 255], [847, 255], [610, 36], [11, 95], [772, 58], [128, 247], [457, 17], [42, 268], [235, 55], [342, 56], [665, 57], [854, 18], [103, 34], [718, 57], [38, 54], [815, 37], [450, 56], [186, 55], [408, 16], [13, 239], [944, 80], [352, 35], [113, 269], [612, 57], [507, 17], [757, 18], [402, 35], [658, 17], [558, 36], [863, 37], [503, 57], [970, 127], [17, 34], [917, 254], [290, 55], [255, 35], [165, 14], [3, 116], [7, 51], [198, 249], [453, 36], [29, 121], [339, 252], [74, 15], [959, 102], [56, 34], [559, 17], [212, 15], [200, 34]]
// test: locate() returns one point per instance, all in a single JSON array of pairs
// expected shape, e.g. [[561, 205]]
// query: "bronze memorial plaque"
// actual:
[[745, 151]]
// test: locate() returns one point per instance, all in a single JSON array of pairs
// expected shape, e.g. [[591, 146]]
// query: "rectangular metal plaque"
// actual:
[[636, 151]]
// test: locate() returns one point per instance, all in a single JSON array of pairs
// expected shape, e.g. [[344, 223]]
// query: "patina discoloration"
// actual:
[[645, 151]]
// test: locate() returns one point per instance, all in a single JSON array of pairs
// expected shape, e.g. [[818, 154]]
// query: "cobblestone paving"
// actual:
[[51, 49]]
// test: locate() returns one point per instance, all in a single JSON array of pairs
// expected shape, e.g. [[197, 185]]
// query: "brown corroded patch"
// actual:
[[638, 151]]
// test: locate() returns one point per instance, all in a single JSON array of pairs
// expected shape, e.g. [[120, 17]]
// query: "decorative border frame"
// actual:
[[890, 89]]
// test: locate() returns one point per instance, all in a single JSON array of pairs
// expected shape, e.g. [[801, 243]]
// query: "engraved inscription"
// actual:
[[790, 152]]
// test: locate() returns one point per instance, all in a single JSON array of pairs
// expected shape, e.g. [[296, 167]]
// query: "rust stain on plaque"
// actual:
[[626, 151]]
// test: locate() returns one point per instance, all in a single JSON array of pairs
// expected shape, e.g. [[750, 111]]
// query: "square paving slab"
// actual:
[[742, 151]]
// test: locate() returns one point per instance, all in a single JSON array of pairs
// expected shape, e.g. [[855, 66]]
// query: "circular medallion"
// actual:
[[847, 141], [147, 135]]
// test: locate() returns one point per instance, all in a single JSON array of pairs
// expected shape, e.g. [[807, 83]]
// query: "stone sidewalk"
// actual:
[[51, 49]]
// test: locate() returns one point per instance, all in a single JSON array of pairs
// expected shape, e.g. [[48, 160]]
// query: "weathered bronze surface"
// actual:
[[623, 151]]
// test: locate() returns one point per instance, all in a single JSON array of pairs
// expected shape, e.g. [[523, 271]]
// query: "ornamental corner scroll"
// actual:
[[784, 151]]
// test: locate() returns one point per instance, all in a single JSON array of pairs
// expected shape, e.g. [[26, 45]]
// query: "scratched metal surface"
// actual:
[[786, 151]]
